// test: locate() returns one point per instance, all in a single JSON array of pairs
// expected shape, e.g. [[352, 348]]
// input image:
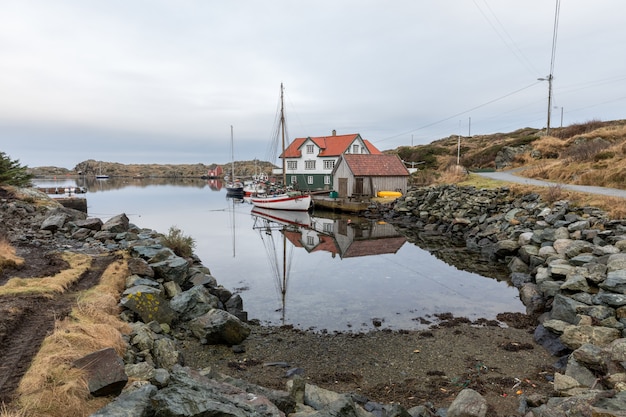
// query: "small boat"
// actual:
[[100, 175], [283, 199], [233, 187], [387, 194]]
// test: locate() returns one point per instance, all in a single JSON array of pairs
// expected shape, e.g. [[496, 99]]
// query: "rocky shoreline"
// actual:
[[568, 263]]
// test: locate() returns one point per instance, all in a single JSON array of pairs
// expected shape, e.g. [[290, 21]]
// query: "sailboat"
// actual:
[[285, 199], [100, 175], [233, 187]]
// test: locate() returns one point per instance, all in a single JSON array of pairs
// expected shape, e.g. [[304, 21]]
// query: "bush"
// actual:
[[12, 173], [181, 245]]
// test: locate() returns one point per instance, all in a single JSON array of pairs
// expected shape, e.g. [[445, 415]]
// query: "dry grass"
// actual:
[[8, 258], [52, 387], [453, 174], [57, 284]]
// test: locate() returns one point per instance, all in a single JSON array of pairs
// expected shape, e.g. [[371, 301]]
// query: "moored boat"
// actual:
[[286, 199]]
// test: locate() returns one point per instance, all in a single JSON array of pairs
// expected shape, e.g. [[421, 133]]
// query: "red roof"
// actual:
[[380, 165], [329, 145]]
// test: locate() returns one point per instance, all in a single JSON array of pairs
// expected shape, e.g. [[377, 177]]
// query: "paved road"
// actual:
[[510, 176]]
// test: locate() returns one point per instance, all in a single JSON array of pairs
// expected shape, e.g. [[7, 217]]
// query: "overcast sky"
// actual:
[[162, 81]]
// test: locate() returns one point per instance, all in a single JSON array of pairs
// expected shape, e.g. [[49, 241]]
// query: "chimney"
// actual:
[[334, 132]]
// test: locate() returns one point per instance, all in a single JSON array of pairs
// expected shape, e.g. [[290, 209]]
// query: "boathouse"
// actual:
[[358, 175]]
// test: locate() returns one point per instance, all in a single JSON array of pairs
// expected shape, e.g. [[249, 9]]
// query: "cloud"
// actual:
[[163, 80]]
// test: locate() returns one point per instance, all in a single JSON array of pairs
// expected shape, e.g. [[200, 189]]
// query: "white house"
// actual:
[[309, 162]]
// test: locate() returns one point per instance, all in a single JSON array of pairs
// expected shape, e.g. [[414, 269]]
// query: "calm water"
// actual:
[[343, 273]]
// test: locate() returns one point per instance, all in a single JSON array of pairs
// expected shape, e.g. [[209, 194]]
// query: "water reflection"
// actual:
[[283, 231], [93, 184]]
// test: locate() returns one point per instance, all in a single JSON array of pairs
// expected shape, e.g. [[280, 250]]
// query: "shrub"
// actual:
[[13, 173], [181, 245], [603, 155], [578, 129]]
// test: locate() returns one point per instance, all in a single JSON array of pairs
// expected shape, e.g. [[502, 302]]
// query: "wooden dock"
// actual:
[[340, 204]]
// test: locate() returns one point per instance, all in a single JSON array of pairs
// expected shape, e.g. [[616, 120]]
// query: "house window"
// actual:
[[309, 164], [326, 179], [309, 179], [328, 227], [329, 164], [355, 148], [294, 179], [292, 165], [310, 148], [310, 241]]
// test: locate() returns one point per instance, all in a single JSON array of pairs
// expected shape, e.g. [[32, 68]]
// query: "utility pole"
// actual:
[[550, 76]]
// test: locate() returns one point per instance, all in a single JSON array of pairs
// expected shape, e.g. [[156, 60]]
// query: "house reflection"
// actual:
[[351, 238], [339, 236]]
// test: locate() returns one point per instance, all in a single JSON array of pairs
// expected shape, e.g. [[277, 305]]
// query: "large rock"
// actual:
[[468, 403], [116, 224], [219, 326], [192, 395], [132, 403], [193, 303], [105, 372], [576, 336], [173, 268], [148, 303]]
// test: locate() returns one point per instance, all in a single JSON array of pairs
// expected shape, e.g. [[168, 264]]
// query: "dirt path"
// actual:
[[27, 320]]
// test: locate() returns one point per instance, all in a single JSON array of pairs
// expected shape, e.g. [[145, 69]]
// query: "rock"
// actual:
[[149, 303], [192, 394], [138, 266], [575, 336], [92, 223], [105, 372], [219, 326], [132, 403], [54, 222], [166, 353], [173, 268], [116, 224], [468, 403], [193, 303], [615, 281]]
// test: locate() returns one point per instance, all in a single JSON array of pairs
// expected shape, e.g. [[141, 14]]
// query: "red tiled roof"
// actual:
[[329, 145], [381, 165]]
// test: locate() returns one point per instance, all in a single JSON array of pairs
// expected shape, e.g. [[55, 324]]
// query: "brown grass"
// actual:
[[57, 284], [52, 387], [8, 258]]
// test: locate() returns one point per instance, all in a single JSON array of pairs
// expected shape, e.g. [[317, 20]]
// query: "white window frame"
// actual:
[[292, 165], [355, 148], [294, 179], [329, 164], [310, 149], [326, 179], [309, 179], [309, 165]]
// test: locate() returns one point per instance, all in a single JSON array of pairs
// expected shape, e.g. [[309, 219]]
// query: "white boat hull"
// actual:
[[284, 217], [283, 202]]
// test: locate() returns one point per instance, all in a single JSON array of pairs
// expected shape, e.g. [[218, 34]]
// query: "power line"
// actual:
[[458, 114]]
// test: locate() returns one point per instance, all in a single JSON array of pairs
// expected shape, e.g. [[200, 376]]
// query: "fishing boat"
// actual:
[[283, 199], [233, 186]]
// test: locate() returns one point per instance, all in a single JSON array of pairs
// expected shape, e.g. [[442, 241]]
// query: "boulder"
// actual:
[[105, 372], [219, 326], [148, 303], [468, 403]]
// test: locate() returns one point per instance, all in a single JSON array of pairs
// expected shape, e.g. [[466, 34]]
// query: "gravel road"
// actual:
[[510, 176]]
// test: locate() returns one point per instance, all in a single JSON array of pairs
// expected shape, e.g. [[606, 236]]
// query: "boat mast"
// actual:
[[232, 156], [282, 125]]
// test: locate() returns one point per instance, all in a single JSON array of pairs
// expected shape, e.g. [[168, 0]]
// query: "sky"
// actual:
[[163, 81]]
